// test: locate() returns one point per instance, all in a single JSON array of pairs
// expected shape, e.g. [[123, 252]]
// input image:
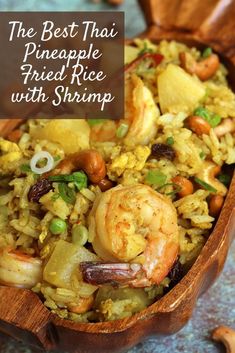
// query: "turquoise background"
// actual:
[[214, 308]]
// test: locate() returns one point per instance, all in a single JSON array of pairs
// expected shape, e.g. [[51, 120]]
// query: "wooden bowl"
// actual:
[[22, 314]]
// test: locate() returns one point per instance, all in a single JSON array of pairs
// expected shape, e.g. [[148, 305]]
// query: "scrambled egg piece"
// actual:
[[10, 153], [129, 160]]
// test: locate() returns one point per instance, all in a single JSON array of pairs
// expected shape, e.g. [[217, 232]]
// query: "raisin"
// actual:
[[161, 150], [39, 189], [176, 273]]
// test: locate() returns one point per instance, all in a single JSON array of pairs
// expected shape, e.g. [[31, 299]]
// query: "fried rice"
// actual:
[[27, 226]]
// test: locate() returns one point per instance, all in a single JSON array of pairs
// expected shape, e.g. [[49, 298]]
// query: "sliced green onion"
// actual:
[[205, 185], [93, 122], [170, 141], [145, 50], [207, 52], [202, 155], [78, 178], [211, 118], [122, 130], [57, 158], [79, 234], [25, 168], [225, 179], [173, 193], [66, 193], [202, 112], [156, 177], [214, 120], [66, 178], [176, 187], [164, 185]]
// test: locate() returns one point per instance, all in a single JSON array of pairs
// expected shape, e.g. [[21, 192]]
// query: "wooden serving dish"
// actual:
[[22, 314]]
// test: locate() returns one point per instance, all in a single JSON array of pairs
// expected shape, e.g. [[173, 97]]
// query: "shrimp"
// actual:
[[134, 231], [18, 269], [141, 115], [105, 131], [225, 127]]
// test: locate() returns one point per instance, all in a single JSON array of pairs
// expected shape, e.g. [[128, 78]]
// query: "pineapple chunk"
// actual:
[[130, 53], [63, 261], [72, 134], [178, 91]]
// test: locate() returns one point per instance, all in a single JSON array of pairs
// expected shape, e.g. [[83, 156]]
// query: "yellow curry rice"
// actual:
[[56, 241]]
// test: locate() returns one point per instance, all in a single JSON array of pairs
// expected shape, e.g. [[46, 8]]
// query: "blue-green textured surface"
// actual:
[[217, 306]]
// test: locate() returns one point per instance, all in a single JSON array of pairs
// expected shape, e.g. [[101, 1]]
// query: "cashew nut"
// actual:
[[208, 173], [204, 69], [90, 161], [185, 185], [82, 306], [215, 204], [227, 125], [227, 336], [198, 125]]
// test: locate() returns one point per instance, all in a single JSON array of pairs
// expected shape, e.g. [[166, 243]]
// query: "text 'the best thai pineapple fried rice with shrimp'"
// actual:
[[101, 218]]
